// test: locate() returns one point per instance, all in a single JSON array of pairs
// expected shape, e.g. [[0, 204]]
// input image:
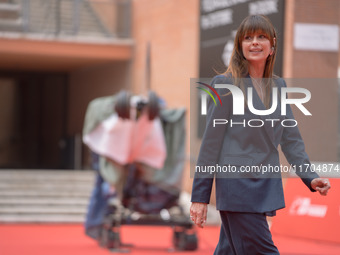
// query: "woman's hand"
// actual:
[[198, 213], [322, 185]]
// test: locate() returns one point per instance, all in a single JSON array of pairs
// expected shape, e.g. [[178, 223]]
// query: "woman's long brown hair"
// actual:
[[238, 65]]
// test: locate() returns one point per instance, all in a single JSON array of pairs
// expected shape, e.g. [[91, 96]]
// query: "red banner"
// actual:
[[308, 214]]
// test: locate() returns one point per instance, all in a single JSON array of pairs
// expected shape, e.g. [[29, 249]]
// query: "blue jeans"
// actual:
[[98, 203]]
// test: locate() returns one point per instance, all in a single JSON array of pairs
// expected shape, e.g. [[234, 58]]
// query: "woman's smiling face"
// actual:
[[256, 47]]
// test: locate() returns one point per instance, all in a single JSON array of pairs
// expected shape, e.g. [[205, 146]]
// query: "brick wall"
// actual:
[[171, 27], [320, 131]]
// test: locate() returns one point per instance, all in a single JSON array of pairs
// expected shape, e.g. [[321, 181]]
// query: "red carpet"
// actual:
[[70, 240]]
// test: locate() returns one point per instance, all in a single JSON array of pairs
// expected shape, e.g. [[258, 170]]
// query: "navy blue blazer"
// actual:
[[240, 148]]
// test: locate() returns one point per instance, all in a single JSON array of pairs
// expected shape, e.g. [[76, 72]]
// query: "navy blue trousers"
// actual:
[[245, 234]]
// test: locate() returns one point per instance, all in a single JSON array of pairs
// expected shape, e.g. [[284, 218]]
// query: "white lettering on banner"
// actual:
[[212, 5], [302, 206], [263, 7], [217, 19]]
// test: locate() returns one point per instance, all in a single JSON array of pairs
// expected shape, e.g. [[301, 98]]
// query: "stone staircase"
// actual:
[[44, 196]]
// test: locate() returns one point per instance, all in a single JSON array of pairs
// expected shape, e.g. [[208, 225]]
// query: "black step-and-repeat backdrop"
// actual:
[[219, 21]]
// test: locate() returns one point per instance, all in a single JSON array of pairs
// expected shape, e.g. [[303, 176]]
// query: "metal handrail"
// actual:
[[91, 18]]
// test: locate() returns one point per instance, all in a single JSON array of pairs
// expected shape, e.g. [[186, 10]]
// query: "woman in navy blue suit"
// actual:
[[244, 200]]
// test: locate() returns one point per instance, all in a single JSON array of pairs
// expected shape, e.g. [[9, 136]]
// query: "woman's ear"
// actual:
[[273, 47]]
